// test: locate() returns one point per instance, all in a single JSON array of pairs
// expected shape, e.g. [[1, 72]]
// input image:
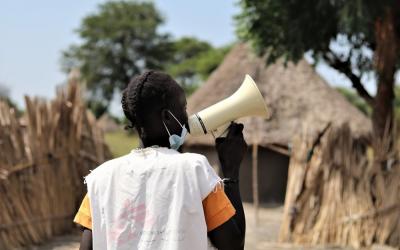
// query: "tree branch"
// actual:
[[345, 67]]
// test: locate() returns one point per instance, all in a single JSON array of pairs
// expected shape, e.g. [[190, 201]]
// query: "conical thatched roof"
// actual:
[[299, 99]]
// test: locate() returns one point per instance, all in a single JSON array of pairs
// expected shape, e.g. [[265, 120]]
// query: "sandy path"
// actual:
[[264, 234], [258, 237]]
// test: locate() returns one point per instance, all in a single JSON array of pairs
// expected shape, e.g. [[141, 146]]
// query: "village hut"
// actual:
[[107, 123], [300, 102]]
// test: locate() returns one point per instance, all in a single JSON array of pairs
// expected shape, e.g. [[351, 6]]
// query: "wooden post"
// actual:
[[255, 181]]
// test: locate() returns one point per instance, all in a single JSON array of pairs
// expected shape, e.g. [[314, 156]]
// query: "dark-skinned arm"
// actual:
[[86, 241], [231, 150]]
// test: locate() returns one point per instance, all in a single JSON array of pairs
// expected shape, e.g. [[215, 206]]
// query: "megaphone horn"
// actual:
[[246, 101]]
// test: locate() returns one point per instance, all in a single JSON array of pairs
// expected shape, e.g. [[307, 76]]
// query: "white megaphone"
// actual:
[[246, 101]]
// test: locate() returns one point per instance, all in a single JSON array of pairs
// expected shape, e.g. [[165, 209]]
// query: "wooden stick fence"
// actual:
[[342, 194], [42, 162]]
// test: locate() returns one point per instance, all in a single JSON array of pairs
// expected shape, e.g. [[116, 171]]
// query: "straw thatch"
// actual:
[[42, 162], [341, 195], [296, 95]]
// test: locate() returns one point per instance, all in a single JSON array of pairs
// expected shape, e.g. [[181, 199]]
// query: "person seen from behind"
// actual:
[[157, 197]]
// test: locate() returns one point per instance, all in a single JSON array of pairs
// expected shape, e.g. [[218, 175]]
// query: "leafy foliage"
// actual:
[[341, 33], [119, 41], [193, 61], [356, 38], [122, 39], [291, 28]]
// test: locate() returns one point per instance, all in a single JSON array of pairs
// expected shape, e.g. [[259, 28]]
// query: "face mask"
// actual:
[[175, 141]]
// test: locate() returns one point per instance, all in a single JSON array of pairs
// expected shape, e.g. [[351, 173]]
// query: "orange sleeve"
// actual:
[[84, 217], [217, 208]]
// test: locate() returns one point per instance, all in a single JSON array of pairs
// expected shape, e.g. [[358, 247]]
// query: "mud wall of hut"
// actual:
[[272, 173]]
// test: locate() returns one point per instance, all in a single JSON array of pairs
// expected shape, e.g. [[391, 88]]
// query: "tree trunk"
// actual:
[[385, 62]]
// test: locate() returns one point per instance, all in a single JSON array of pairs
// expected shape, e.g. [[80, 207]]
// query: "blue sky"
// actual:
[[33, 34]]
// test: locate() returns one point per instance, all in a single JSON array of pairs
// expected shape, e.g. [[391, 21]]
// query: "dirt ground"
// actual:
[[260, 235]]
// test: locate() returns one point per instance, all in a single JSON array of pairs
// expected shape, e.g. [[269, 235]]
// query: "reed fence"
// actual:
[[43, 157], [342, 193]]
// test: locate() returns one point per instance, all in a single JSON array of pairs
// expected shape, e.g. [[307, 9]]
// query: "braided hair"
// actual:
[[145, 94]]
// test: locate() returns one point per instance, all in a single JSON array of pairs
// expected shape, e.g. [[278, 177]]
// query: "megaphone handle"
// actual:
[[222, 131]]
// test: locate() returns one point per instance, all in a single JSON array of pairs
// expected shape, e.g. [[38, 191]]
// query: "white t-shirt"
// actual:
[[151, 199]]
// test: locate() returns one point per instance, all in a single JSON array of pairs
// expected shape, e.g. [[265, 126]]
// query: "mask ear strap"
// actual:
[[166, 128], [175, 118]]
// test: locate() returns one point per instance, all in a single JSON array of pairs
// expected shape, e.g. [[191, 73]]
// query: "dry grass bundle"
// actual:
[[42, 161], [343, 194]]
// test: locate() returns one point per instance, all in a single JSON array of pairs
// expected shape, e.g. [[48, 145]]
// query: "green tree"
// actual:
[[353, 37], [119, 41], [208, 61], [182, 65], [193, 61]]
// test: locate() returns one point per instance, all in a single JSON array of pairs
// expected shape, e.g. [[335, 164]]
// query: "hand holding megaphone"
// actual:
[[246, 101], [231, 150]]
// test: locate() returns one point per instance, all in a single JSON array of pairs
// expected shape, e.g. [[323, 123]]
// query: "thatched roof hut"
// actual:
[[107, 123], [297, 96], [300, 101]]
